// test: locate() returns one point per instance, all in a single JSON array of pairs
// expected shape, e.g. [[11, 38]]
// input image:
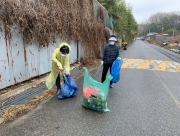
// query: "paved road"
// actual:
[[144, 103]]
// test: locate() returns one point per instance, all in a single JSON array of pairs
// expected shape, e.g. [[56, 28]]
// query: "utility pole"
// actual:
[[173, 29]]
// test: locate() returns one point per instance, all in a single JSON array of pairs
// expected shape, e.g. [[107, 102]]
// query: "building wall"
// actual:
[[152, 37], [159, 38], [20, 62]]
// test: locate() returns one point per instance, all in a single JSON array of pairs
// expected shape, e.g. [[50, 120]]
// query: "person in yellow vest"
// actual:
[[125, 45], [60, 63]]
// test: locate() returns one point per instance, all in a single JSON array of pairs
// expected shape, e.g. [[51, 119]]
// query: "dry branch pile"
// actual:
[[43, 21]]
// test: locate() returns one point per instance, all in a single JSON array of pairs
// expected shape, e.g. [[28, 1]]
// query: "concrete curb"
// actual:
[[166, 50], [35, 83]]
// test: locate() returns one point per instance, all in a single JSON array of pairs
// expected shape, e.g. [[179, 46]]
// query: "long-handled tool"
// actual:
[[98, 70]]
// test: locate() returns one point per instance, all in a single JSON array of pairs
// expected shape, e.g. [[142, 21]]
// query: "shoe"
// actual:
[[110, 86]]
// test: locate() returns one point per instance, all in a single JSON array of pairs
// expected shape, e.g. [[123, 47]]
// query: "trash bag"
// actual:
[[115, 69], [95, 93], [69, 89]]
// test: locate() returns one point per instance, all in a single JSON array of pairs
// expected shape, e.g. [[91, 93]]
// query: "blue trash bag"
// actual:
[[115, 70], [69, 89]]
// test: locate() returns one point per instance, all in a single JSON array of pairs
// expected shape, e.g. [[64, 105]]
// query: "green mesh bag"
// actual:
[[95, 93], [108, 20]]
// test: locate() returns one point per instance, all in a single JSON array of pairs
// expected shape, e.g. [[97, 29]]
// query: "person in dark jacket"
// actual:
[[111, 52]]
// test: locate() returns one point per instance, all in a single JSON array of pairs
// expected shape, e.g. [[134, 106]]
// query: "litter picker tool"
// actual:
[[98, 70]]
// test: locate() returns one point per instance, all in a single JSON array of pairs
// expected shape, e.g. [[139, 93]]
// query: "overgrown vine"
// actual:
[[43, 21]]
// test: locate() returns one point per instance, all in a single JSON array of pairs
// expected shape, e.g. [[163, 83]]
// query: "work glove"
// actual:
[[102, 62], [118, 58]]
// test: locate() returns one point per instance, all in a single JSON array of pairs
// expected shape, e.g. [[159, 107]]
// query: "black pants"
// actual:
[[105, 70], [58, 81], [125, 47]]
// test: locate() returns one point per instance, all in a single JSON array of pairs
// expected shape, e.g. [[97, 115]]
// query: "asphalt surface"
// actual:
[[143, 103]]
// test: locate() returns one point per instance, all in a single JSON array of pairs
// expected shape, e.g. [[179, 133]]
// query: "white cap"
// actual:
[[112, 39]]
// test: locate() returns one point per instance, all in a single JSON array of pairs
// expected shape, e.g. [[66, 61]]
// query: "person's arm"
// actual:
[[55, 60]]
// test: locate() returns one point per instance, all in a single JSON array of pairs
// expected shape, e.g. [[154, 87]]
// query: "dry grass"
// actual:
[[43, 21], [173, 45]]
